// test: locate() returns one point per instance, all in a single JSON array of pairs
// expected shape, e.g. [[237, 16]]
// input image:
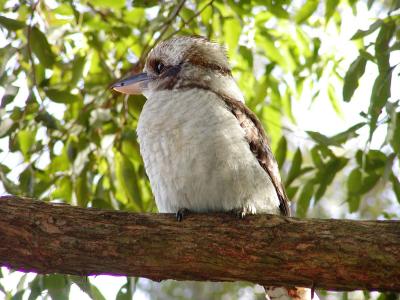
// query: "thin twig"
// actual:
[[190, 19], [29, 43], [167, 24]]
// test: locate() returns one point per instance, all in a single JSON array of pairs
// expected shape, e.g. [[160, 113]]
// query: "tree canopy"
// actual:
[[66, 137]]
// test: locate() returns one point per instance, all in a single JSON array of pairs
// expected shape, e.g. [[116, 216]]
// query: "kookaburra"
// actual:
[[203, 149]]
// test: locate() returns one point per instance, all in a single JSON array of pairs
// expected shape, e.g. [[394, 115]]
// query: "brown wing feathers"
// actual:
[[259, 146]]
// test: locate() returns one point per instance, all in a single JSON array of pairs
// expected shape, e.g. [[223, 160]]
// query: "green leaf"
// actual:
[[353, 74], [116, 4], [82, 189], [127, 178], [330, 7], [18, 295], [61, 96], [395, 135], [280, 152], [305, 199], [26, 139], [295, 168], [344, 136], [319, 138], [306, 11], [11, 24], [232, 30], [354, 182], [77, 69], [362, 33], [379, 96], [369, 182], [382, 46], [57, 285], [41, 48], [326, 175], [354, 203], [396, 186]]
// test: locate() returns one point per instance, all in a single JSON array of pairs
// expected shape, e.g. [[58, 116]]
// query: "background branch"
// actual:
[[265, 249]]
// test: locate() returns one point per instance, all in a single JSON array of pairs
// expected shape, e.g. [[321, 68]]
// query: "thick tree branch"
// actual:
[[265, 249]]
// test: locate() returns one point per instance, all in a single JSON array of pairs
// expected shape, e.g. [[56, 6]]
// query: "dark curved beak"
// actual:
[[132, 85]]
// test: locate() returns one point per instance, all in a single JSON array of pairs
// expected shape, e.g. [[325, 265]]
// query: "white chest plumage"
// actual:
[[197, 158]]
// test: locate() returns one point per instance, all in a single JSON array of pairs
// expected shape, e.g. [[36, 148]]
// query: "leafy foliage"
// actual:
[[72, 140]]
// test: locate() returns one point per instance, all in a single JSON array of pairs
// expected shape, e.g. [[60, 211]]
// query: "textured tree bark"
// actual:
[[265, 249]]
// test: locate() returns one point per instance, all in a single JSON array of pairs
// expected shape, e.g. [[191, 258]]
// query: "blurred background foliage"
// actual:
[[65, 137]]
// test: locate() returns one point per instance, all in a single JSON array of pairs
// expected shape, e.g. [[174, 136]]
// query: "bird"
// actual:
[[203, 149]]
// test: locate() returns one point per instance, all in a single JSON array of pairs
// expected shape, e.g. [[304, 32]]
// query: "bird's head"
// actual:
[[180, 63]]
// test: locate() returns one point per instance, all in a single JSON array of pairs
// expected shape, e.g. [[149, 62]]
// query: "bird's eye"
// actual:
[[159, 67]]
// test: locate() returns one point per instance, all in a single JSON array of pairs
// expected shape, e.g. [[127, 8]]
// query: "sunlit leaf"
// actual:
[[330, 8], [115, 3], [306, 11], [26, 139], [127, 177]]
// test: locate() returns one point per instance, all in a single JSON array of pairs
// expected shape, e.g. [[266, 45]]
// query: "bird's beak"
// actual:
[[132, 85]]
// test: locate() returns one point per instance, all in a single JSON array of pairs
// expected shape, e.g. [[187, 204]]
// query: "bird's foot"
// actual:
[[181, 213], [239, 212]]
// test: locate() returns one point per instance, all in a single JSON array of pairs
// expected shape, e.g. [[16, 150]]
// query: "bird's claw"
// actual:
[[239, 212], [181, 213]]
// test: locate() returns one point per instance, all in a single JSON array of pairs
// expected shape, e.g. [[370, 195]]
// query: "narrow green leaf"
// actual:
[[382, 46], [395, 135], [41, 48], [295, 168], [306, 11], [305, 199], [319, 138], [11, 24], [333, 100], [61, 96], [82, 189], [326, 175], [116, 4], [280, 152], [379, 96], [232, 30], [316, 157], [362, 33], [353, 74], [344, 136], [18, 295], [330, 7], [396, 186], [127, 178]]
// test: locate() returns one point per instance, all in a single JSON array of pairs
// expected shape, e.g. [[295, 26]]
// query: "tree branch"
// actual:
[[266, 249]]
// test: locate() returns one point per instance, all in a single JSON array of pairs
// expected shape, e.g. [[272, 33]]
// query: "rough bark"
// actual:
[[270, 250]]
